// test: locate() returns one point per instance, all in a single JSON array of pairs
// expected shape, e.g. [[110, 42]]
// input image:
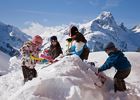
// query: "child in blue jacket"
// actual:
[[118, 60], [79, 46]]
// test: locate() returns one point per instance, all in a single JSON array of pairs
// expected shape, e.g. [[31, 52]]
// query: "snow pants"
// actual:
[[28, 73], [119, 83]]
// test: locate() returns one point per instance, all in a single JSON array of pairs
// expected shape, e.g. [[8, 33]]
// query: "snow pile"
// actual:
[[4, 63], [64, 80], [69, 79]]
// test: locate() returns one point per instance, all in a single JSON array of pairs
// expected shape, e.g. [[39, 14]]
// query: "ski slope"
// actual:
[[69, 79]]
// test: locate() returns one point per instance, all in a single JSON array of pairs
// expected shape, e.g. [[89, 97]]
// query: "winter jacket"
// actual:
[[117, 60], [55, 51], [78, 45], [77, 48], [26, 51], [80, 38]]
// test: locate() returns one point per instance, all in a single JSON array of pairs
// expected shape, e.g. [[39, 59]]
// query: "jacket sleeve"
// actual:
[[25, 50], [72, 48], [77, 53], [77, 48], [56, 53], [107, 65]]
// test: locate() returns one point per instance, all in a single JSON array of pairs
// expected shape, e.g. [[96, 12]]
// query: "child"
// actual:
[[30, 48], [120, 62], [53, 51], [79, 47]]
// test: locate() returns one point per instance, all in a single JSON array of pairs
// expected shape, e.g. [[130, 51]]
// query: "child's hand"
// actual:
[[61, 56], [68, 53], [69, 40], [44, 61], [96, 71], [46, 51]]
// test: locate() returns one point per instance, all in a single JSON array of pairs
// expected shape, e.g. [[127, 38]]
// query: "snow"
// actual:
[[69, 79], [136, 29], [98, 31], [4, 63], [11, 39]]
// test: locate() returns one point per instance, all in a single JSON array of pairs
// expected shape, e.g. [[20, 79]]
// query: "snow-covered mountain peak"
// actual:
[[136, 28], [106, 19], [104, 15], [123, 27], [104, 29], [11, 38]]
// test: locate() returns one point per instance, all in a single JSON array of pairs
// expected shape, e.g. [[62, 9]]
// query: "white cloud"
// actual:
[[34, 28]]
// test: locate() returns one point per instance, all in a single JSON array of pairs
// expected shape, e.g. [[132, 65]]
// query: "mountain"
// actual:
[[11, 39], [136, 29], [104, 28], [100, 31]]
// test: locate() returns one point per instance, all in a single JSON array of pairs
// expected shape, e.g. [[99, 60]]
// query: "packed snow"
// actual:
[[4, 63], [69, 79]]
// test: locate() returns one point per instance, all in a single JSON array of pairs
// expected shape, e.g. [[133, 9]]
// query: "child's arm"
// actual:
[[77, 48], [107, 65], [25, 50]]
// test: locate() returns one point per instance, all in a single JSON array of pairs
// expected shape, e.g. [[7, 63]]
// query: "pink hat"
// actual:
[[37, 39]]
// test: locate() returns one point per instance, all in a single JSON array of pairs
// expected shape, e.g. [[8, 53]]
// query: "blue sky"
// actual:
[[58, 12]]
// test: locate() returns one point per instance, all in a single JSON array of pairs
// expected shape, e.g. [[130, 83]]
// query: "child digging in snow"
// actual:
[[118, 60], [30, 48]]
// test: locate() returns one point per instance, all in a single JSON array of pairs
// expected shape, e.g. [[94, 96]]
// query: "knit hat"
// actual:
[[109, 46], [37, 39], [73, 31], [53, 38]]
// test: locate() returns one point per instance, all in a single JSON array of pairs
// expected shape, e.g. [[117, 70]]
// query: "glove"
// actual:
[[44, 61], [69, 40], [46, 51], [68, 52], [61, 56], [96, 71]]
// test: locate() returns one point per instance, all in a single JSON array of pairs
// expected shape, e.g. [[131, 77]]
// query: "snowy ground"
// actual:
[[4, 63], [69, 79]]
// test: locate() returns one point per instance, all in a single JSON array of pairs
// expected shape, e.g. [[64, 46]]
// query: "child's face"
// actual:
[[54, 42], [74, 36], [38, 43], [107, 51]]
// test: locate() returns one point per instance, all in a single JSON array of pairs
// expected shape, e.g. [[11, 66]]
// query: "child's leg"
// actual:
[[119, 83], [25, 71], [32, 74]]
